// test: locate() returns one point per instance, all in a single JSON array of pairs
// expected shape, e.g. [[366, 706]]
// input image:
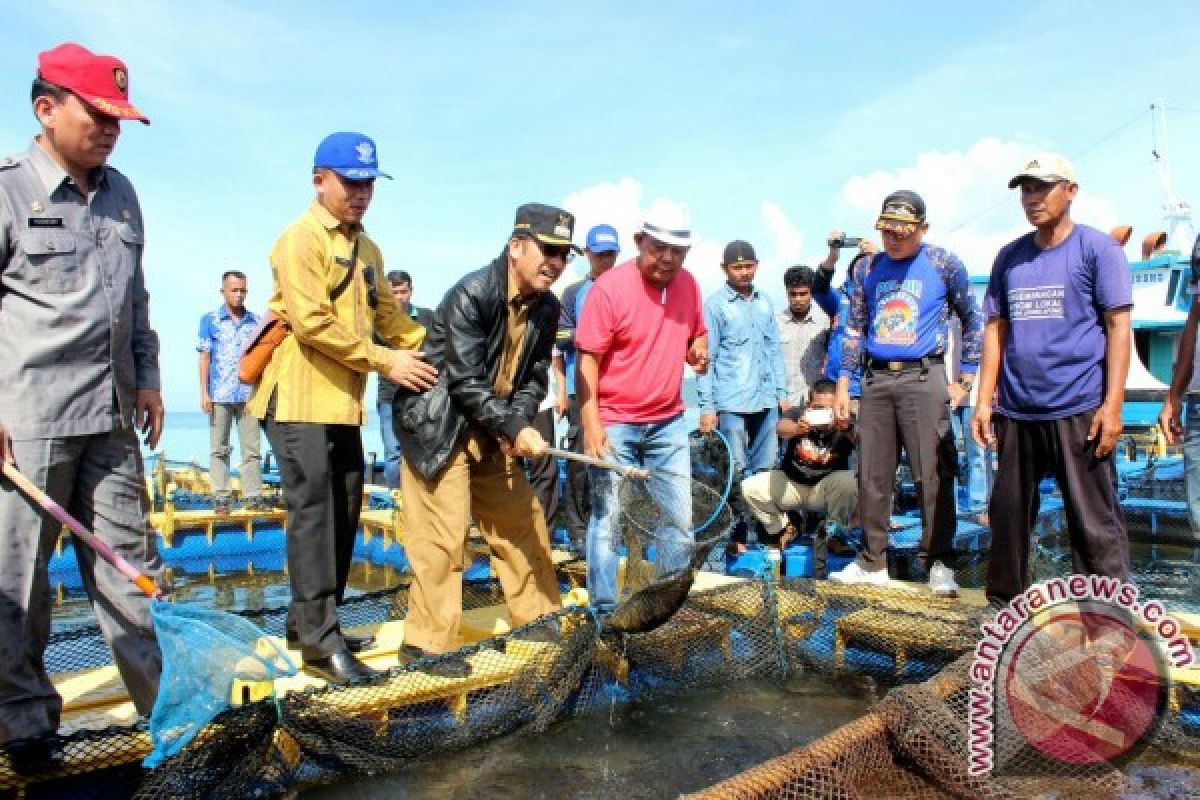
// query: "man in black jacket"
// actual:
[[491, 341]]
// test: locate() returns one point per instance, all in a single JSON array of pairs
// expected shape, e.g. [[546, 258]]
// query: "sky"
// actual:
[[771, 122]]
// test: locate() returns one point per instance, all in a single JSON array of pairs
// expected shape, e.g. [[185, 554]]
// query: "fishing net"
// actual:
[[205, 654], [912, 744], [668, 526]]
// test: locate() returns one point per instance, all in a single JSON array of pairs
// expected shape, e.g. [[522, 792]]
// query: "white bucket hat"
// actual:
[[669, 223]]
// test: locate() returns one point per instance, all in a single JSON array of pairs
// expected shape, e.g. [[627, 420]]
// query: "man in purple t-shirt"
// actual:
[[1057, 345]]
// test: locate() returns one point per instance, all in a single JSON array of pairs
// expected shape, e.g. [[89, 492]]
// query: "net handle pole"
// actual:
[[592, 461], [102, 548]]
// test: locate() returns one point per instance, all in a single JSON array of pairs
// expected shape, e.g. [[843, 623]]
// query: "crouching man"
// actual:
[[491, 341], [814, 475]]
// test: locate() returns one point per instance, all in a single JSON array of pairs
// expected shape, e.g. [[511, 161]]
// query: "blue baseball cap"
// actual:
[[351, 155], [603, 239]]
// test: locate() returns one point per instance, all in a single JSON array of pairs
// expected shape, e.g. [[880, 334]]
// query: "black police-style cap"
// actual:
[[547, 224], [738, 252]]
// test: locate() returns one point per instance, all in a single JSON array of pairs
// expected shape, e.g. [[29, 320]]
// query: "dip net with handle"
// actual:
[[668, 526]]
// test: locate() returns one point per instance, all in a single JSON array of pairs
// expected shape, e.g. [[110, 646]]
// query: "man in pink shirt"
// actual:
[[642, 321]]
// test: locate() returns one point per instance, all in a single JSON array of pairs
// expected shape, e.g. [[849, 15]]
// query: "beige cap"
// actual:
[[1049, 167]]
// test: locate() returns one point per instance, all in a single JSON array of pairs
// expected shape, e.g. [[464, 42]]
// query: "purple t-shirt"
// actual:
[[1054, 301]]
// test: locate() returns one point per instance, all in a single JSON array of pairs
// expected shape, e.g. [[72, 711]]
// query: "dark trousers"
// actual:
[[909, 408], [543, 472], [578, 498], [321, 470], [99, 480], [1029, 450]]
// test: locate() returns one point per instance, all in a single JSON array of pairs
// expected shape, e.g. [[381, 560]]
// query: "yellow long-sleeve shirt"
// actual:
[[319, 372]]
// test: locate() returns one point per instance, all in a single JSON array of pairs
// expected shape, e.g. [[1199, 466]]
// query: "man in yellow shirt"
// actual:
[[330, 289]]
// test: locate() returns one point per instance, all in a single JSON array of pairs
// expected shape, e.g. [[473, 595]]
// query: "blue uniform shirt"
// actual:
[[899, 310]]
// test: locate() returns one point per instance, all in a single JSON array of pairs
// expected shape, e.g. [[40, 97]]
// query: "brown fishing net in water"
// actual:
[[914, 744], [668, 526]]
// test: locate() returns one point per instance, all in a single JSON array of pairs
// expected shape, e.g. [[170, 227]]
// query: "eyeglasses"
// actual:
[[561, 251]]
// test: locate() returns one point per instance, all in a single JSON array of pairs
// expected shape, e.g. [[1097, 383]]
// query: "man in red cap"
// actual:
[[78, 376]]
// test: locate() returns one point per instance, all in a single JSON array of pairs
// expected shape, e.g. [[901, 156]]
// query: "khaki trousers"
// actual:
[[483, 483], [770, 495]]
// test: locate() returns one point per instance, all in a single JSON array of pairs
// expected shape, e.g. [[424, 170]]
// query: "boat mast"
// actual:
[[1177, 213]]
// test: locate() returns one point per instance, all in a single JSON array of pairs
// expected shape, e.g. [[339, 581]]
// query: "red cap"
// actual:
[[100, 81]]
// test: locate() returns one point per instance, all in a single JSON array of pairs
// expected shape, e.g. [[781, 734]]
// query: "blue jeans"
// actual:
[[1191, 460], [662, 449], [391, 446], [979, 462], [753, 448]]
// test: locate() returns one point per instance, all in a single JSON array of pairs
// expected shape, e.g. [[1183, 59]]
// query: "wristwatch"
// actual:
[[965, 384]]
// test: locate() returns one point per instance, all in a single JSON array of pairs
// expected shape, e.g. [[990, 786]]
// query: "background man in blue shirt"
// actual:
[[602, 249], [223, 397], [746, 387], [900, 301]]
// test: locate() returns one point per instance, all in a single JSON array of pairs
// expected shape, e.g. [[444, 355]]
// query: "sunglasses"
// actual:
[[562, 251]]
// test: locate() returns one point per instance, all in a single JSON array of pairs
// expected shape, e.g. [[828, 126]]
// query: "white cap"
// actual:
[[1049, 167], [669, 223]]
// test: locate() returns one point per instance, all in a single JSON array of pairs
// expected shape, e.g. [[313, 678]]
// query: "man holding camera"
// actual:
[[815, 473], [900, 303]]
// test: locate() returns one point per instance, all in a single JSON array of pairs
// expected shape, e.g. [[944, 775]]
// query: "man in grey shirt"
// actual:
[[79, 372]]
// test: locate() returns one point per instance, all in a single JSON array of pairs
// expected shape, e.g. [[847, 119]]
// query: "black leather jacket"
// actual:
[[466, 344]]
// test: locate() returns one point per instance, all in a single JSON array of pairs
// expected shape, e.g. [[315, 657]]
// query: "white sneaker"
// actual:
[[941, 580], [852, 574]]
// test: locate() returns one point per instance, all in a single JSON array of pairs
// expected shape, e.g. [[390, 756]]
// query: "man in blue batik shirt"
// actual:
[[897, 326], [223, 334], [745, 387]]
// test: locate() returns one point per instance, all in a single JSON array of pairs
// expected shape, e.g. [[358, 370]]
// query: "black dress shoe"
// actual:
[[446, 666], [33, 756], [340, 668], [356, 644], [548, 632]]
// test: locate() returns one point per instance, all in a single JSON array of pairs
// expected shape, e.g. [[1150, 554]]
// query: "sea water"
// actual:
[[650, 749]]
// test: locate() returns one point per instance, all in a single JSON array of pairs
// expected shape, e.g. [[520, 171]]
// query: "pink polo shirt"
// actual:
[[640, 334]]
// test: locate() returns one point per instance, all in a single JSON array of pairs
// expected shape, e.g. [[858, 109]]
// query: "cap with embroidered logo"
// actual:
[[902, 213], [100, 81], [547, 224], [603, 239], [738, 252], [1047, 167], [351, 155]]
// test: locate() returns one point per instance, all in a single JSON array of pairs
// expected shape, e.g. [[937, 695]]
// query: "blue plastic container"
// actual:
[[750, 564], [798, 561], [834, 563]]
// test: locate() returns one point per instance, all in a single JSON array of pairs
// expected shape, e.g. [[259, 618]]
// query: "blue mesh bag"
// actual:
[[205, 653]]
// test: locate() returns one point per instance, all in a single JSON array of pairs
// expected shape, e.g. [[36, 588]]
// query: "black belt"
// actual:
[[903, 365]]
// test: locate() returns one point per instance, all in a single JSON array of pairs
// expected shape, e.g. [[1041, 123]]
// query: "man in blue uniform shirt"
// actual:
[[900, 301]]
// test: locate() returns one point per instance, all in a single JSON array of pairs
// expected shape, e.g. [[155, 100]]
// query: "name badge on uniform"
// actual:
[[45, 222]]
